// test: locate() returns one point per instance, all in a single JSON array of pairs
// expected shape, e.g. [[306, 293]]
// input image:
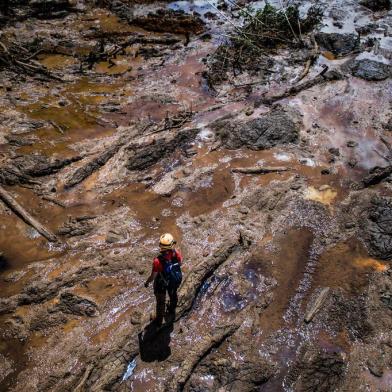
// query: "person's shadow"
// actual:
[[154, 342]]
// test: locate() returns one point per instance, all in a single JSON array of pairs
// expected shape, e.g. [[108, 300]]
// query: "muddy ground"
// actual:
[[119, 121]]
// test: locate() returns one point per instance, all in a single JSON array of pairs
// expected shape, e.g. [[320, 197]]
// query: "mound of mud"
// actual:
[[275, 128], [370, 70], [377, 228]]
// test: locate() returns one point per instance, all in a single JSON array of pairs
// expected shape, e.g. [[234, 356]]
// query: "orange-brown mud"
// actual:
[[294, 232]]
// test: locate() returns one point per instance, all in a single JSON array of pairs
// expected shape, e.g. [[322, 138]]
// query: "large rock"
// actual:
[[377, 228], [370, 69], [337, 43], [275, 128]]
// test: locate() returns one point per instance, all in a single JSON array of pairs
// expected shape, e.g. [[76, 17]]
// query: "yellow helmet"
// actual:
[[166, 241]]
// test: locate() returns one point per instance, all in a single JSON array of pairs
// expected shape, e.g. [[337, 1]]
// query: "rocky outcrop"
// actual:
[[370, 70], [377, 228], [278, 127], [337, 43]]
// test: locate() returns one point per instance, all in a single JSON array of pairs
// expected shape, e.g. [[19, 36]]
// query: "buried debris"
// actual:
[[259, 170], [21, 212], [16, 58], [316, 306]]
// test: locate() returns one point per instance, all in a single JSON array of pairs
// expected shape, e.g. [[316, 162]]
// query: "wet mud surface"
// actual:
[[274, 176]]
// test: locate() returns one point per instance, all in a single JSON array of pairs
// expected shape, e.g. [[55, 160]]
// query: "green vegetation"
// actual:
[[262, 31]]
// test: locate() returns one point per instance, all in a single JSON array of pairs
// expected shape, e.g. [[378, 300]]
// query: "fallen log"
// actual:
[[22, 213], [323, 77], [93, 165], [259, 170], [318, 303]]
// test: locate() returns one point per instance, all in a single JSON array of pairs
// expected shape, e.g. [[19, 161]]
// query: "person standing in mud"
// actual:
[[166, 275]]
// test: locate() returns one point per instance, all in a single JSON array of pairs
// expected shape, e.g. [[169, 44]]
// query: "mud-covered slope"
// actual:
[[266, 151]]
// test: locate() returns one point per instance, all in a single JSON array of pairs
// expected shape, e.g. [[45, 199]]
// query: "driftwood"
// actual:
[[259, 169], [318, 303], [323, 77], [21, 212]]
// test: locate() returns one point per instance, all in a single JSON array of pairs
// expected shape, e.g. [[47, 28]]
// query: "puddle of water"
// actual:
[[130, 369]]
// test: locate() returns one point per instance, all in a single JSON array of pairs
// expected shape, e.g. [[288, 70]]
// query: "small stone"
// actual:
[[249, 111], [334, 151], [325, 172], [349, 225], [352, 162], [352, 143]]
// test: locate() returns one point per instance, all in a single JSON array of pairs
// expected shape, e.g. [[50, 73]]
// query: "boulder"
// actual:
[[277, 127], [337, 43], [370, 69]]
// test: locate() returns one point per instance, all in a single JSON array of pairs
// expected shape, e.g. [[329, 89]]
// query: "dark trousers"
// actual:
[[160, 296]]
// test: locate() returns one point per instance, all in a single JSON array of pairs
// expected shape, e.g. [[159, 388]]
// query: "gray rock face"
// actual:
[[378, 228], [337, 43], [370, 70], [275, 128]]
